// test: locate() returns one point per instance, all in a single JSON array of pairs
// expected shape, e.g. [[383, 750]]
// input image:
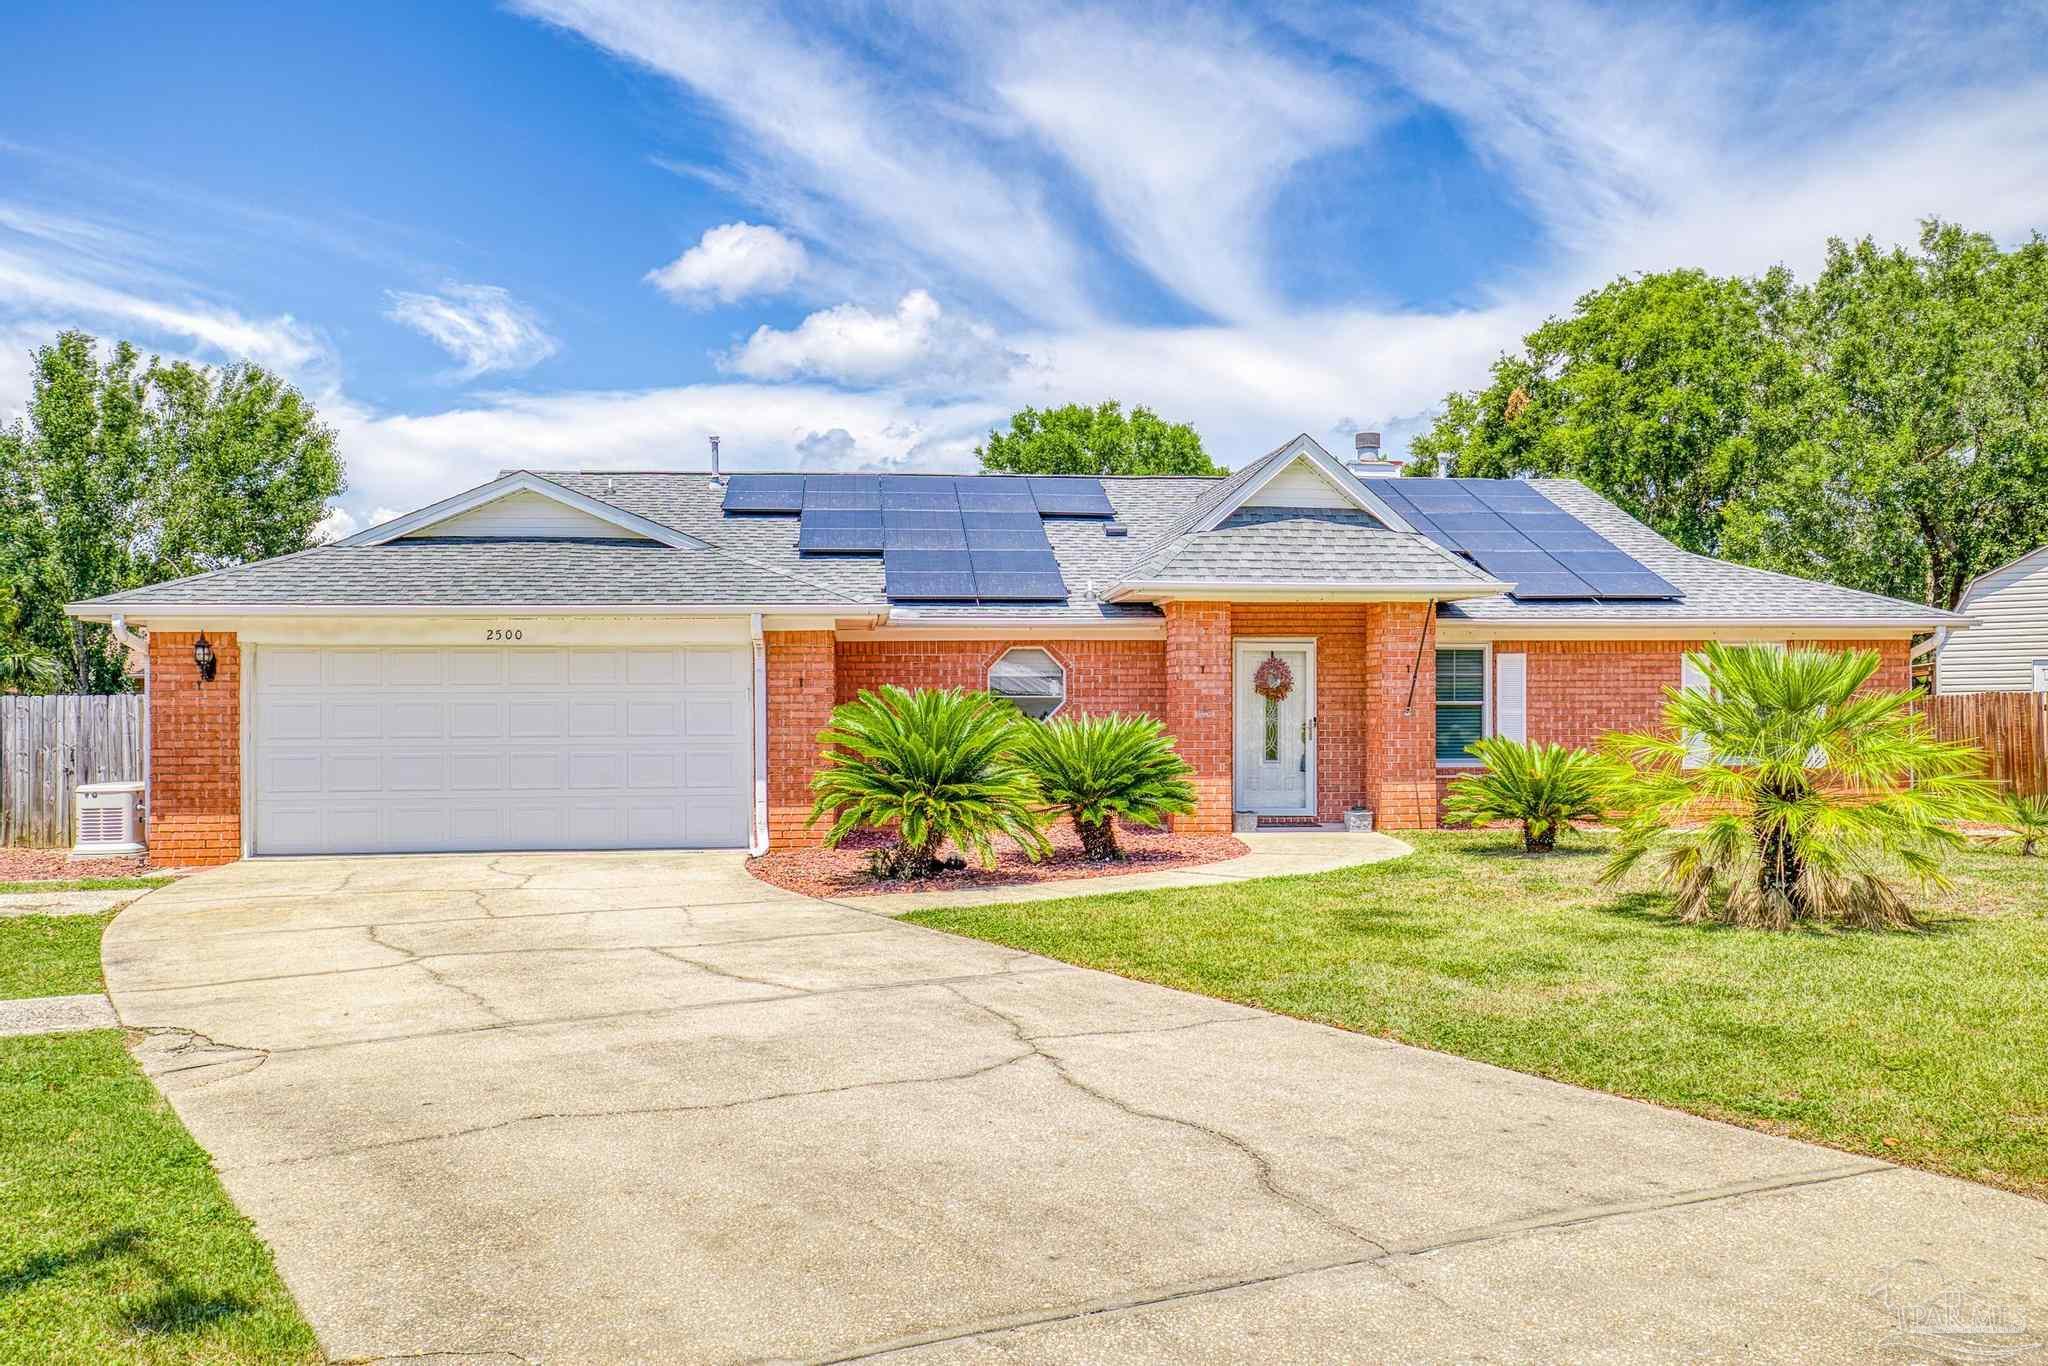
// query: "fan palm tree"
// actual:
[[1783, 792], [2027, 818], [934, 766], [1097, 769], [26, 668], [1543, 788]]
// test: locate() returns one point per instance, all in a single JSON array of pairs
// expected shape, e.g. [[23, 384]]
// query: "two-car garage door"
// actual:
[[412, 750]]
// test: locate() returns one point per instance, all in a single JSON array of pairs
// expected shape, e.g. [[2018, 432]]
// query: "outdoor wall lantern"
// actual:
[[202, 655]]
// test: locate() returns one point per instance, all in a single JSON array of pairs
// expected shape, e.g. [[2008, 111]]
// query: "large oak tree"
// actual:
[[1078, 439]]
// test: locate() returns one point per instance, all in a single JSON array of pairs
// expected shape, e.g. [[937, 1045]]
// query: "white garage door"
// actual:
[[371, 750]]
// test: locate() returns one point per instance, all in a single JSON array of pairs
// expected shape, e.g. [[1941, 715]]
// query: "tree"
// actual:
[[123, 474], [1102, 769], [1543, 788], [1784, 792], [1924, 456], [1665, 392], [1077, 439], [934, 766]]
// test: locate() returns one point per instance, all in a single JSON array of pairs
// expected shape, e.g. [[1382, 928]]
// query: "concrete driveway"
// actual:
[[627, 1107]]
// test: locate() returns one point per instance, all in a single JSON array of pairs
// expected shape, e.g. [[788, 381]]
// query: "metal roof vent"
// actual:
[[717, 479], [1115, 529], [1366, 461]]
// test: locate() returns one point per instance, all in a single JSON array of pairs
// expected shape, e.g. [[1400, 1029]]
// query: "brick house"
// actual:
[[643, 660]]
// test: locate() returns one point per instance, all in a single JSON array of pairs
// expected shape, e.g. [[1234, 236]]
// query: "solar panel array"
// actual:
[[1514, 533], [969, 538]]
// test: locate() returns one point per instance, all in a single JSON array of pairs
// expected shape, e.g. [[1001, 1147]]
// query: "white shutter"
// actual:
[[1511, 696], [1692, 678]]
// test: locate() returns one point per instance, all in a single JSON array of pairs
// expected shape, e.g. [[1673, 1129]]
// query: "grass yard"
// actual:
[[86, 884], [50, 955], [1923, 1048], [116, 1241]]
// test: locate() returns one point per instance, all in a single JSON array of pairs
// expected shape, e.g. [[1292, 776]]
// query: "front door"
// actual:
[[1275, 762]]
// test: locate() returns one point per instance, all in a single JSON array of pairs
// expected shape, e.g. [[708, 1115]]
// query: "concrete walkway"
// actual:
[[65, 903], [637, 1108], [55, 1015], [1274, 853]]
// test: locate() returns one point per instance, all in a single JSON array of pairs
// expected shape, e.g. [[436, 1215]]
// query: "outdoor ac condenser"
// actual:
[[108, 822]]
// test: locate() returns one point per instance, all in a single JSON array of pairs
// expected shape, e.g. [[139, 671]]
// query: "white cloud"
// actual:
[[482, 326], [731, 263], [917, 344]]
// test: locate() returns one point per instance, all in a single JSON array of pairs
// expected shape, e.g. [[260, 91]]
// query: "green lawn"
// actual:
[[50, 955], [116, 1241], [1922, 1048], [86, 884]]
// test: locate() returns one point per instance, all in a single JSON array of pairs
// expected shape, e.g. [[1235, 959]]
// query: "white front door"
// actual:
[[1275, 761], [428, 750]]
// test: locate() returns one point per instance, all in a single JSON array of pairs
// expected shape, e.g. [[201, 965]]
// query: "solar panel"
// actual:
[[908, 491], [840, 531], [842, 491], [1057, 496], [772, 493], [1515, 533]]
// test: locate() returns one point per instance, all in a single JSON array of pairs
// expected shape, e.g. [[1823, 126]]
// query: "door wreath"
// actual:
[[1273, 680]]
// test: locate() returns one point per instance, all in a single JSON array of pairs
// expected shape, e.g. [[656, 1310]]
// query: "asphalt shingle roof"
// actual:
[[755, 560]]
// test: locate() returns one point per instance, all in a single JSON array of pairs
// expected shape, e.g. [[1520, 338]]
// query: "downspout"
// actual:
[[1930, 646], [119, 625], [758, 844]]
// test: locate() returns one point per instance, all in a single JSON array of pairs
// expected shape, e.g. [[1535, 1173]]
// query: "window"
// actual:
[[1460, 703], [1032, 679]]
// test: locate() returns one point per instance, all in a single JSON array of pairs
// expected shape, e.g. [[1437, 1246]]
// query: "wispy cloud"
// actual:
[[918, 343], [482, 326], [732, 262]]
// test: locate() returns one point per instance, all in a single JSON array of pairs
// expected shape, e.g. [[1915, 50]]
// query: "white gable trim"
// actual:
[[520, 481], [1306, 447]]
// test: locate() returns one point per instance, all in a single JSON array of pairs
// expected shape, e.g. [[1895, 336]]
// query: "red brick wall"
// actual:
[[1198, 707], [195, 752], [1339, 630], [1400, 715], [1102, 675], [802, 686]]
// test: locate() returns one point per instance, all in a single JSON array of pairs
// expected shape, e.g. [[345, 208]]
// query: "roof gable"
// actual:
[[523, 505], [1303, 450]]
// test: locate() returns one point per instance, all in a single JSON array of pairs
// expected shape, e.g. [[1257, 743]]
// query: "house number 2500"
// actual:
[[503, 633]]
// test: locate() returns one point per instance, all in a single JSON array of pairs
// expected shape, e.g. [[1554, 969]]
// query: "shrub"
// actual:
[[1096, 769], [933, 766], [1781, 795], [2028, 819], [1543, 788]]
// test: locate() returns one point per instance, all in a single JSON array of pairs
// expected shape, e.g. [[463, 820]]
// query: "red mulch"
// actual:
[[843, 871], [57, 865]]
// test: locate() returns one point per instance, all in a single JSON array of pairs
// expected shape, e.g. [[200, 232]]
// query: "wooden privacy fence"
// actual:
[[2010, 727], [48, 746]]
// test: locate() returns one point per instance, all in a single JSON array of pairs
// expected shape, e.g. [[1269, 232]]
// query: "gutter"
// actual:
[[757, 843], [1932, 644], [119, 626]]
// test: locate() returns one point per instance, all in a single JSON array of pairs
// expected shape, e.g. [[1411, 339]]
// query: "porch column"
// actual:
[[1400, 714], [802, 687], [1197, 712]]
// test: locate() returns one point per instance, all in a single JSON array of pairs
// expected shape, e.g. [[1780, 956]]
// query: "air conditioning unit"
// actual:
[[109, 821]]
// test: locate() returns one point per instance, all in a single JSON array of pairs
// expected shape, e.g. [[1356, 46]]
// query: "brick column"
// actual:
[[802, 682], [1400, 714], [195, 752], [1198, 703]]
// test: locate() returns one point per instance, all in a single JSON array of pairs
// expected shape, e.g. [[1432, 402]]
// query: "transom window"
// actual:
[[1460, 703], [1031, 678]]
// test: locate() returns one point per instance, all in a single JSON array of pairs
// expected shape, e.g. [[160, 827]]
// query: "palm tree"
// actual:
[[26, 668], [1098, 769], [1544, 788], [2028, 819], [1782, 792], [934, 766]]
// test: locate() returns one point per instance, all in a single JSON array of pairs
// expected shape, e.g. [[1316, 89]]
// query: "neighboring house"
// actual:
[[644, 660], [2006, 647]]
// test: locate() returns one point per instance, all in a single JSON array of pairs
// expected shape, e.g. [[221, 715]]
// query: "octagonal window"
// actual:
[[1031, 678]]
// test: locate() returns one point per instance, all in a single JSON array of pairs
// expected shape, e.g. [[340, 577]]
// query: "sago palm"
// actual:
[[1783, 793], [26, 668], [1542, 788], [2027, 818], [1099, 769], [934, 765]]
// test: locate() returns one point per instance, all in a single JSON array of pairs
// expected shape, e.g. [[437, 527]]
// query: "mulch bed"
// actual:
[[57, 865], [843, 871]]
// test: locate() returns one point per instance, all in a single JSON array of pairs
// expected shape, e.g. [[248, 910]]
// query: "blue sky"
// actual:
[[590, 232]]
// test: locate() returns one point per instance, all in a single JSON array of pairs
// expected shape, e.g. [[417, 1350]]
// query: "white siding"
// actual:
[[526, 513], [1300, 485], [1999, 655]]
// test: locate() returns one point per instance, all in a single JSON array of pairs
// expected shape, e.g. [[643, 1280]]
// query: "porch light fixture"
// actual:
[[203, 657]]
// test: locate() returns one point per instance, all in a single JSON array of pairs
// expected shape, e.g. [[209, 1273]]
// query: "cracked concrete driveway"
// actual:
[[631, 1107]]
